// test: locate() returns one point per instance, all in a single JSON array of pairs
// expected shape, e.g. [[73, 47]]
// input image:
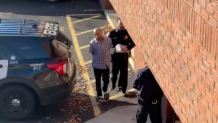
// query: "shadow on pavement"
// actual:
[[106, 106], [77, 108], [131, 95], [42, 8]]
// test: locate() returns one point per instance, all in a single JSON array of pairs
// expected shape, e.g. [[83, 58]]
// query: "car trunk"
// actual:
[[35, 50]]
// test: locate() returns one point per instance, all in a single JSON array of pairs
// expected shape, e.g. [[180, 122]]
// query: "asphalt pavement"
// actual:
[[77, 19]]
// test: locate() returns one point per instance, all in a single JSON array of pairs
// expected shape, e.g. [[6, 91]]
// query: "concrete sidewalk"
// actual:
[[123, 114]]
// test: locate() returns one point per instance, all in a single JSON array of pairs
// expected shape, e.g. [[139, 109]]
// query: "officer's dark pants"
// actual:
[[154, 111], [122, 68], [105, 75]]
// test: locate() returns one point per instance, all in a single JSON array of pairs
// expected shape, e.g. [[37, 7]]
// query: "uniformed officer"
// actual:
[[120, 37], [149, 96]]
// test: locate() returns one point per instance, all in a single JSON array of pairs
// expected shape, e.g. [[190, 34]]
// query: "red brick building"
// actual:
[[179, 41]]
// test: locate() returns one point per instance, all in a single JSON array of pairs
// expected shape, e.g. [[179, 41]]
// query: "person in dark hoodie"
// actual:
[[149, 96]]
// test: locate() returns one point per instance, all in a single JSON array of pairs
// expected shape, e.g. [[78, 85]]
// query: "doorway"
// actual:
[[168, 113]]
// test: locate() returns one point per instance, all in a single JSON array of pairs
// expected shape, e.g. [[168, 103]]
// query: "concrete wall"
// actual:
[[179, 41]]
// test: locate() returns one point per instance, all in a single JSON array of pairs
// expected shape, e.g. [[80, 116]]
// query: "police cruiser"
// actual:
[[36, 66]]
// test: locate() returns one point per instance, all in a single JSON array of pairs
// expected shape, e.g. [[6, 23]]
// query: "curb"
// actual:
[[131, 61]]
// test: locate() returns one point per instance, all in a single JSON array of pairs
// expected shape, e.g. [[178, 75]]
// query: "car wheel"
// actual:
[[16, 102]]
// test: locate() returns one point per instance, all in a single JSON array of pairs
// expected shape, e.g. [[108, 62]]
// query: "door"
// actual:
[[3, 66]]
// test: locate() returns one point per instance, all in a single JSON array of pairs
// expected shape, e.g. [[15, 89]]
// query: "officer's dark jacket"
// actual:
[[120, 37], [146, 84]]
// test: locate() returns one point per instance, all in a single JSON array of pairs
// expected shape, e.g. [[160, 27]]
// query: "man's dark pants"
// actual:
[[154, 111], [105, 75], [122, 67]]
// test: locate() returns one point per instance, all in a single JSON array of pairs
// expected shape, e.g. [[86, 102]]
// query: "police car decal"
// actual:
[[37, 66], [3, 68], [51, 29]]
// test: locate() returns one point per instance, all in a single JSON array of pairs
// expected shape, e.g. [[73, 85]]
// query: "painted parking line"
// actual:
[[96, 108], [88, 62], [62, 29], [73, 15], [84, 47], [120, 95], [93, 81], [114, 96], [84, 32], [97, 16]]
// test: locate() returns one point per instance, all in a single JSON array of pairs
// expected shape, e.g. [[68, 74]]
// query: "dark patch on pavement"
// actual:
[[110, 104]]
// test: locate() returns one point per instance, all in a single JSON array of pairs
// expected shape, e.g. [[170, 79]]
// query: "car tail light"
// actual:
[[59, 68]]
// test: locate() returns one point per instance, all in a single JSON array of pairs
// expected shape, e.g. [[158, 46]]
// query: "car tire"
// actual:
[[16, 102]]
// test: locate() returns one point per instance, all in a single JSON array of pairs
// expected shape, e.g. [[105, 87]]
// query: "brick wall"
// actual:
[[179, 40]]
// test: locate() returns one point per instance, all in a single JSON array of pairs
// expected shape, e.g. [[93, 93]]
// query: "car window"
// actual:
[[8, 54], [28, 47], [1, 55]]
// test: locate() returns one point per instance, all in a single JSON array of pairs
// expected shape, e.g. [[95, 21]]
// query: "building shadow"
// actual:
[[106, 106]]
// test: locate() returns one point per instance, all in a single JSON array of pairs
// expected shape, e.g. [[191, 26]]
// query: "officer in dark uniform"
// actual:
[[149, 96], [120, 60]]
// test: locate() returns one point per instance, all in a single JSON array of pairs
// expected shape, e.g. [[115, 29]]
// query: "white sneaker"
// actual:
[[99, 99]]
